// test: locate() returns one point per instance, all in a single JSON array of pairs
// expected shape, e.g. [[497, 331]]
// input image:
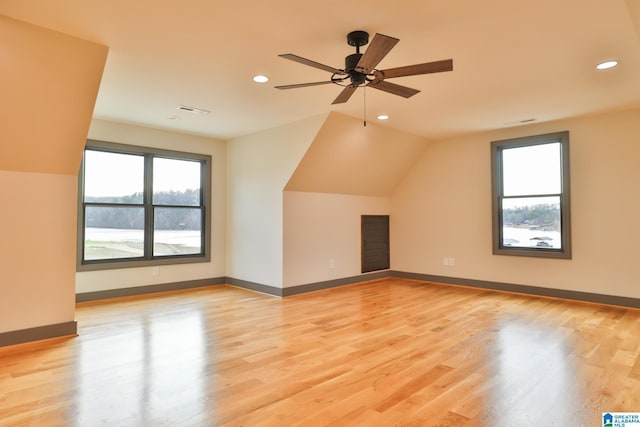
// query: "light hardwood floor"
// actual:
[[391, 352]]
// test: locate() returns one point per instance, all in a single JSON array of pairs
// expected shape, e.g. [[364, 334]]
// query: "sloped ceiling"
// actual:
[[513, 60], [348, 158], [49, 82]]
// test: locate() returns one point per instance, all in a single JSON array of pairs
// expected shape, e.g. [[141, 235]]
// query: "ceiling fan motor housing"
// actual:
[[350, 62]]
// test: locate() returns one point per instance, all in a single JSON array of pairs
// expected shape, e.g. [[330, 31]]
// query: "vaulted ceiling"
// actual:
[[347, 158], [513, 61], [48, 84]]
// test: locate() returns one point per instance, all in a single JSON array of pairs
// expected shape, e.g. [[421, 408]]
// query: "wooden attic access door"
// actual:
[[375, 242]]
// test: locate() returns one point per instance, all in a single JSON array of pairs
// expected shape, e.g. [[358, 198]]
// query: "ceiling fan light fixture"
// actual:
[[260, 78], [606, 65], [383, 117]]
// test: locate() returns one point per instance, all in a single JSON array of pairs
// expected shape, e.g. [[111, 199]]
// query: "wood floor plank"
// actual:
[[390, 352]]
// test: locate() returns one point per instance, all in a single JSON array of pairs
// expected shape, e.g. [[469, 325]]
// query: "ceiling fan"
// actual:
[[360, 68]]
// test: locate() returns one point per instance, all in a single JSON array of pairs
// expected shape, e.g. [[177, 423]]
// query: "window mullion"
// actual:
[[148, 206], [531, 196]]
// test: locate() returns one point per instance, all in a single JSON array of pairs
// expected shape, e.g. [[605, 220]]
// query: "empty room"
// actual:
[[415, 213]]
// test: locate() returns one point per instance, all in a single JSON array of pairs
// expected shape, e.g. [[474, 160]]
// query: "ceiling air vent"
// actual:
[[193, 110]]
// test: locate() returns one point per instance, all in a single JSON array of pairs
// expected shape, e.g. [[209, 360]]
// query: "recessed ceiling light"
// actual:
[[383, 117], [260, 78], [606, 65]]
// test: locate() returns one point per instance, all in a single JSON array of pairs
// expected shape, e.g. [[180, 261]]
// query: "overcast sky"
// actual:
[[111, 174]]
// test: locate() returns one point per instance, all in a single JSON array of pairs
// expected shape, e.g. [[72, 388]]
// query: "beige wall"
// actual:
[[443, 209], [48, 84], [135, 135], [348, 171], [37, 249], [259, 166], [322, 235]]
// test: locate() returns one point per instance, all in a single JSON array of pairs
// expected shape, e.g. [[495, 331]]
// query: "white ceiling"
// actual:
[[513, 59]]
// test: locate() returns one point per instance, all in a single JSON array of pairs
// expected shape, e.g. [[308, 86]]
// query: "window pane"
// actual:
[[113, 232], [176, 182], [532, 170], [177, 231], [532, 222], [113, 177]]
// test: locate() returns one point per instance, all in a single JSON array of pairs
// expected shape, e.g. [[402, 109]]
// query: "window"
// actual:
[[531, 211], [142, 206]]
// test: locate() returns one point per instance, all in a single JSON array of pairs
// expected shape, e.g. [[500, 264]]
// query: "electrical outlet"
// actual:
[[155, 271], [445, 261], [452, 261], [332, 263]]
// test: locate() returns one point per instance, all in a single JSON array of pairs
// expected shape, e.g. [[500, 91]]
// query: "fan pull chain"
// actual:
[[364, 110]]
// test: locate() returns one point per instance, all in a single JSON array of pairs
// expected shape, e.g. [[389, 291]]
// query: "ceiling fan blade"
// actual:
[[345, 95], [413, 70], [311, 63], [393, 88], [295, 86], [378, 49]]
